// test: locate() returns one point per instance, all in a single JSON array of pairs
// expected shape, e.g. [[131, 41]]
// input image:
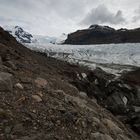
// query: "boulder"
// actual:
[[41, 83], [6, 81]]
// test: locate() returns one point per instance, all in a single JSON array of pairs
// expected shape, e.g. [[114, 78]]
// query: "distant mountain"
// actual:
[[24, 37], [97, 34], [20, 34]]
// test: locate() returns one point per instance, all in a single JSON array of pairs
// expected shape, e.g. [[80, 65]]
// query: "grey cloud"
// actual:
[[101, 15], [52, 17], [136, 18]]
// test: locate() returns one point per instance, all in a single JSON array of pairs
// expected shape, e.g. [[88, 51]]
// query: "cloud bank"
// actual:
[[101, 14], [53, 17]]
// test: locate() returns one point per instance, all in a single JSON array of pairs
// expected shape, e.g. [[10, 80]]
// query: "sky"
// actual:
[[54, 17]]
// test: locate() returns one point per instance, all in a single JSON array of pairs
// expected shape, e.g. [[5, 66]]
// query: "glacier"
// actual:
[[113, 58]]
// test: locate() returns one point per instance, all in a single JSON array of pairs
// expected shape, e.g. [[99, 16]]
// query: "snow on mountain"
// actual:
[[43, 40], [116, 57], [20, 34], [24, 37]]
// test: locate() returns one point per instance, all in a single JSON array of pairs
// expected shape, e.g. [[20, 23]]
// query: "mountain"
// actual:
[[97, 34], [24, 37], [48, 99], [20, 34]]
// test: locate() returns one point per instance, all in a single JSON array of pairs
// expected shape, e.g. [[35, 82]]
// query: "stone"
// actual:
[[36, 98], [84, 75], [136, 108], [83, 94], [95, 122], [41, 83], [100, 136], [40, 94], [116, 103], [125, 100], [6, 81], [112, 126], [19, 86]]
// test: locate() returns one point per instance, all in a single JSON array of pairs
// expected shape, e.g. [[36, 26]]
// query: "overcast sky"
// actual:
[[53, 17]]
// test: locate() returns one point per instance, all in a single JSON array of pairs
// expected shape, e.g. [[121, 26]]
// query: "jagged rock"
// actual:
[[41, 83], [116, 104], [100, 136], [6, 81]]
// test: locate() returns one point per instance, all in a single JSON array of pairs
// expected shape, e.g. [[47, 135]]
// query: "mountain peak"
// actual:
[[97, 27], [20, 34]]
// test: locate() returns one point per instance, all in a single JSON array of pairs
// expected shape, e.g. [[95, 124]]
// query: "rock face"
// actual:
[[62, 112], [97, 34]]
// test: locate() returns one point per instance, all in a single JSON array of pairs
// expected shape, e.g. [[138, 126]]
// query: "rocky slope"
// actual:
[[97, 34], [44, 98]]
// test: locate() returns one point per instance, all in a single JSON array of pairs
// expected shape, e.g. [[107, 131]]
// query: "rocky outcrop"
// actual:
[[97, 34], [120, 95]]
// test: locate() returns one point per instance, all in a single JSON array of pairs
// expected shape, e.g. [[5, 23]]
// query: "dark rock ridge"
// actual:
[[39, 102], [97, 34], [119, 95]]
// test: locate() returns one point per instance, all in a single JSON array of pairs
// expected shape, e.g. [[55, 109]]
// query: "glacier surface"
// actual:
[[108, 56]]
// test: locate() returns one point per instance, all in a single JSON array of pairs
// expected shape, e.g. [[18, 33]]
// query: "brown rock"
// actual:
[[41, 83], [6, 81], [36, 98], [19, 86]]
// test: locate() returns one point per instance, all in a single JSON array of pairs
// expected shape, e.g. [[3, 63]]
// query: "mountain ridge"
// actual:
[[97, 34]]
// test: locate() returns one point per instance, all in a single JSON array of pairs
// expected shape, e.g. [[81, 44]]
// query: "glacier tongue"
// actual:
[[107, 56]]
